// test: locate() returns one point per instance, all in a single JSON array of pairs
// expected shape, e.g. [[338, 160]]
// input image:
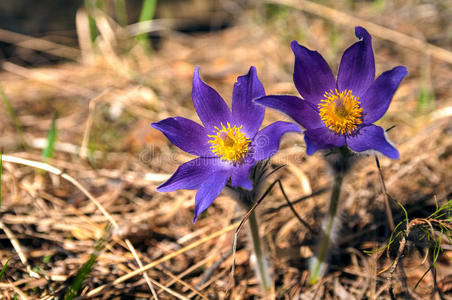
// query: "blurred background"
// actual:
[[81, 81]]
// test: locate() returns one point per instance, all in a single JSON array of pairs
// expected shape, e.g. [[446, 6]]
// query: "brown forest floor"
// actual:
[[50, 227]]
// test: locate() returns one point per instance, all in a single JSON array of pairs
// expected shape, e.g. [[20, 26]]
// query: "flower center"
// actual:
[[340, 112], [229, 143]]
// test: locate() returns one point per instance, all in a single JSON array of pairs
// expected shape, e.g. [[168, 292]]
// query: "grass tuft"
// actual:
[[87, 267], [4, 268], [426, 98], [91, 6], [147, 14], [1, 168], [13, 116], [47, 152], [121, 12]]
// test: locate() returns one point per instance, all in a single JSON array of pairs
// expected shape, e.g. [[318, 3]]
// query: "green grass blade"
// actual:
[[47, 152], [147, 14], [87, 266], [91, 6], [426, 98], [13, 116], [0, 181], [4, 268], [121, 12]]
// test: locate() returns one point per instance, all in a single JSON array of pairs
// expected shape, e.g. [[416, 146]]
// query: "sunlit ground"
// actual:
[[97, 216]]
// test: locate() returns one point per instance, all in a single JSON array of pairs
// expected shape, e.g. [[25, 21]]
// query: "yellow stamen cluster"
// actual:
[[229, 143], [341, 112]]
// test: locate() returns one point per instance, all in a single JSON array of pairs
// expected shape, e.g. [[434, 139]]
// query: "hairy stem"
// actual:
[[261, 264], [320, 261]]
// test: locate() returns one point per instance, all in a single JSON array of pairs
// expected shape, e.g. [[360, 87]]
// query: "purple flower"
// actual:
[[228, 145], [340, 112]]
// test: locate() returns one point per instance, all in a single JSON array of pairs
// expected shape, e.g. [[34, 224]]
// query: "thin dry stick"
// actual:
[[33, 43], [303, 222], [188, 271], [18, 291], [387, 207], [58, 172], [313, 194], [211, 280], [397, 259], [163, 259], [242, 222], [83, 35], [89, 122], [187, 285], [41, 77], [12, 238], [169, 291], [16, 245], [140, 264], [376, 30], [210, 271], [250, 211]]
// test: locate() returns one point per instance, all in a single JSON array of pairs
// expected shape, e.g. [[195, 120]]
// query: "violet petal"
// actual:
[[322, 138], [185, 134], [375, 101], [312, 75], [210, 190], [244, 111], [241, 176], [191, 174], [372, 137], [266, 141], [301, 111], [357, 67], [211, 108]]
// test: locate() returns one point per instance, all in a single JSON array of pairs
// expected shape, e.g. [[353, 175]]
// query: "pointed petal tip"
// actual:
[[294, 128], [252, 72], [298, 49], [160, 189], [310, 149], [391, 153], [248, 186], [362, 33], [245, 185], [402, 70], [196, 75], [294, 44], [396, 155], [163, 188], [158, 125]]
